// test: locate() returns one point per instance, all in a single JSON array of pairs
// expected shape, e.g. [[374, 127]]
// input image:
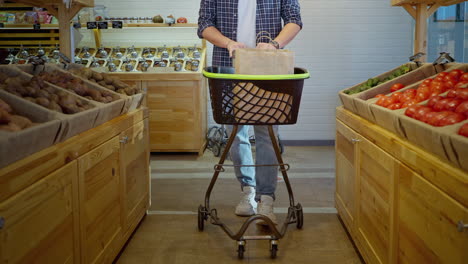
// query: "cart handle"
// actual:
[[304, 75]]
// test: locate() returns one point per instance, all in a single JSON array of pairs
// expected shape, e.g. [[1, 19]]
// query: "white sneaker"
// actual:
[[265, 207], [247, 205]]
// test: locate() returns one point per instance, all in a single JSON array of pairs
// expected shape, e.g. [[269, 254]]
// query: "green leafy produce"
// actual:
[[372, 82]]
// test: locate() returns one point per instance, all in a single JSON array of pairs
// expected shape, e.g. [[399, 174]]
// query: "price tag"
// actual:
[[117, 24], [91, 25], [37, 26], [2, 25], [102, 25]]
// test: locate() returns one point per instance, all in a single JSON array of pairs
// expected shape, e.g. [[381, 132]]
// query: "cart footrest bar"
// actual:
[[257, 237], [219, 167]]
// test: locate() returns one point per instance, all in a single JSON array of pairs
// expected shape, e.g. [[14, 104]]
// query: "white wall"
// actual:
[[343, 42]]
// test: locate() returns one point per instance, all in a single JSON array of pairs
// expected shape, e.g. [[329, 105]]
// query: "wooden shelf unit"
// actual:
[[77, 201], [399, 203], [420, 11]]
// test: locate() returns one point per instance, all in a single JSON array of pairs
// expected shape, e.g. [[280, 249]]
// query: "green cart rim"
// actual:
[[212, 75]]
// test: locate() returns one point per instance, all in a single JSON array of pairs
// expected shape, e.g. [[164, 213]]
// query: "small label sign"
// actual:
[[91, 25], [117, 24], [37, 26], [102, 25], [2, 25]]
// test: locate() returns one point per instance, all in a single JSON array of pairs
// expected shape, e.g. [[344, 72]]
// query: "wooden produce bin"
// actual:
[[177, 103], [77, 201], [400, 203]]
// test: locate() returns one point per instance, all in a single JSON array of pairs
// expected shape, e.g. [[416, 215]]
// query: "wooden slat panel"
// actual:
[[28, 42], [40, 222], [428, 223], [29, 35], [101, 216]]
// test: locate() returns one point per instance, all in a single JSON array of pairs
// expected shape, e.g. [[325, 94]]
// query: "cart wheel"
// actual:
[[273, 250], [201, 218], [299, 216], [216, 149], [240, 251]]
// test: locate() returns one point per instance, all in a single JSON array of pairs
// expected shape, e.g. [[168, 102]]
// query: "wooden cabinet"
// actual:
[[345, 149], [89, 194], [427, 224], [399, 203], [377, 172], [101, 203], [177, 115], [40, 223], [135, 163]]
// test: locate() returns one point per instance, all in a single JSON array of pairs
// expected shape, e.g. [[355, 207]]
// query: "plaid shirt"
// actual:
[[222, 14]]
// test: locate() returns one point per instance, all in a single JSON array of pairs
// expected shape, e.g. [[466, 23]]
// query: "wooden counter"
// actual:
[[77, 201], [399, 203], [177, 103]]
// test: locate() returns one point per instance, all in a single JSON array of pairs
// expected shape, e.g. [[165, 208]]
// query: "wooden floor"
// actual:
[[169, 233]]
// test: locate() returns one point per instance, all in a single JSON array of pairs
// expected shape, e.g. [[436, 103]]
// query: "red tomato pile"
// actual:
[[463, 130], [456, 81], [442, 111]]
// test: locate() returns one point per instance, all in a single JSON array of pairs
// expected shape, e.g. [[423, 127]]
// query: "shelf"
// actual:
[[135, 25], [29, 26], [428, 2], [45, 3]]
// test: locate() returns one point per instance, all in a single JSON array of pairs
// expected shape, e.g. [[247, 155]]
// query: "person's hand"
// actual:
[[262, 45], [233, 45]]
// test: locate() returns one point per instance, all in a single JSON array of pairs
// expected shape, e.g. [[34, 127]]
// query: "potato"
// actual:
[[43, 101], [129, 91], [108, 80], [21, 121], [110, 87], [96, 95], [6, 107], [98, 76], [30, 99], [54, 98], [70, 109], [5, 117], [43, 93], [55, 107], [120, 85], [102, 83], [121, 91], [11, 127]]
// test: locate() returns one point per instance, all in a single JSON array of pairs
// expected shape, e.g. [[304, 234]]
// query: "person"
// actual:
[[236, 24]]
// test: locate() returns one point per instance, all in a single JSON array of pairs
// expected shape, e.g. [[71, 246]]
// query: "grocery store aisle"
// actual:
[[169, 233]]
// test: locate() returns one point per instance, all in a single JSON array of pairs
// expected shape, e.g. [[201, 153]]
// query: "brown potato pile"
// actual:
[[38, 92], [105, 80], [77, 85], [9, 121]]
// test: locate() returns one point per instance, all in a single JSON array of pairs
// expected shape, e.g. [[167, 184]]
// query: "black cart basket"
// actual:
[[254, 100]]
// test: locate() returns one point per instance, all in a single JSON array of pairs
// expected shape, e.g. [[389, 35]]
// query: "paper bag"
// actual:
[[253, 104]]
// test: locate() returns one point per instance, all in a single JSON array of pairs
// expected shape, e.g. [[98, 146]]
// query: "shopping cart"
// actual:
[[254, 100]]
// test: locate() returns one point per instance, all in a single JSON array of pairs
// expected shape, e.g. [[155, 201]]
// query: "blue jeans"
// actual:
[[264, 179]]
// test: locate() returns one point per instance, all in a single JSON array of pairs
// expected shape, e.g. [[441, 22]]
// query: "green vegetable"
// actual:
[[372, 82]]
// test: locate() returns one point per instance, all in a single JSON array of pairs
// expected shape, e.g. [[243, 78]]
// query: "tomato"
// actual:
[[394, 106], [421, 112], [435, 83], [428, 116], [409, 103], [405, 97], [427, 81], [439, 89], [434, 120], [386, 101], [441, 105], [433, 100], [422, 96], [439, 79], [379, 95], [442, 74], [462, 108], [396, 95], [396, 87], [461, 85], [411, 110], [410, 92], [451, 78], [451, 119], [423, 89], [453, 104], [452, 93], [463, 131], [449, 84], [455, 74], [464, 77], [462, 93]]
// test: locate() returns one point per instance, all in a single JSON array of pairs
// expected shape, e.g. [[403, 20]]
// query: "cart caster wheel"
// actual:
[[201, 218], [299, 216], [216, 150], [273, 249], [240, 251]]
